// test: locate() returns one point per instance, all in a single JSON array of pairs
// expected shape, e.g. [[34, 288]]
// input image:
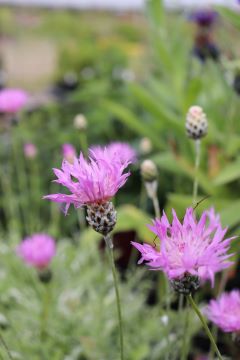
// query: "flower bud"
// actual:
[[80, 122], [149, 171], [196, 123], [145, 145]]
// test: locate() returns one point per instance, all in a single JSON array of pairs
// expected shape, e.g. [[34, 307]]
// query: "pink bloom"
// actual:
[[90, 182], [192, 247], [30, 150], [118, 151], [12, 100], [69, 152], [37, 250], [225, 311]]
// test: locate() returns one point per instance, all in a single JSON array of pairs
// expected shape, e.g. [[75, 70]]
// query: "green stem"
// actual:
[[156, 206], [45, 312], [5, 347], [197, 163], [83, 142], [205, 326], [185, 337], [114, 273]]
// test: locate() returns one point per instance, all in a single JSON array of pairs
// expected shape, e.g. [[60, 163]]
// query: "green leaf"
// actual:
[[162, 114], [230, 173], [131, 218], [230, 15], [180, 166], [130, 120], [230, 214]]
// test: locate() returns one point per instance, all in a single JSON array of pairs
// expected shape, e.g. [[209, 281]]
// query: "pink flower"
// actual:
[[118, 151], [12, 100], [90, 182], [225, 311], [37, 250], [195, 248], [69, 152], [30, 150]]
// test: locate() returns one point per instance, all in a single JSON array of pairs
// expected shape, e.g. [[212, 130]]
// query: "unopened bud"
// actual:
[[145, 145], [196, 123], [149, 171], [80, 122]]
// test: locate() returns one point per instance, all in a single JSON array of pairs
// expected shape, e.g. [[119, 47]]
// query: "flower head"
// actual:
[[90, 182], [204, 17], [80, 122], [12, 100], [30, 150], [191, 248], [118, 151], [196, 123], [225, 311], [69, 152], [37, 250]]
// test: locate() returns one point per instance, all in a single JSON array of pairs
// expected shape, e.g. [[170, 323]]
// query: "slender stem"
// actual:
[[5, 347], [185, 337], [114, 273], [83, 142], [197, 163], [45, 311], [151, 188], [204, 323], [156, 206]]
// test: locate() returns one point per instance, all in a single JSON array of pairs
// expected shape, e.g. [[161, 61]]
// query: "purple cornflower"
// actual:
[[189, 249], [92, 182], [12, 100], [204, 17], [118, 151], [69, 152], [225, 311], [30, 150], [37, 250]]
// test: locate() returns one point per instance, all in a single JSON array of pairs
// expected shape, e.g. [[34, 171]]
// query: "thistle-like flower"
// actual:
[[92, 183], [12, 100], [225, 311], [189, 252], [68, 152], [117, 151], [37, 250], [30, 150], [204, 17]]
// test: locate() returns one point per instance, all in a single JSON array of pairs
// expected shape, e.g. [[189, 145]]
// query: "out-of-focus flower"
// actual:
[[190, 251], [196, 123], [121, 152], [68, 152], [30, 150], [12, 100], [37, 250], [225, 311], [149, 170], [92, 182], [80, 122], [204, 17], [145, 145]]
